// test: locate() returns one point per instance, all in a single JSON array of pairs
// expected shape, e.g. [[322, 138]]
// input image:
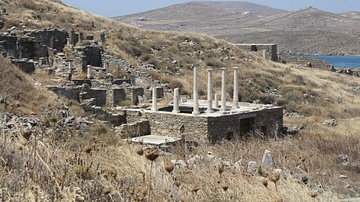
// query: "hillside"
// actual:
[[20, 93], [51, 155], [256, 27], [241, 7]]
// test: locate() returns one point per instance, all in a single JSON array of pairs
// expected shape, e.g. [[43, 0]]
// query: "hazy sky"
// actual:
[[112, 8]]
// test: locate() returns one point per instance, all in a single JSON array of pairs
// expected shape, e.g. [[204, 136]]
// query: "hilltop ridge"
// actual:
[[314, 30]]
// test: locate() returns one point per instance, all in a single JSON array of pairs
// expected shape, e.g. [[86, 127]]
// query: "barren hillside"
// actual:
[[58, 154], [241, 7], [257, 27]]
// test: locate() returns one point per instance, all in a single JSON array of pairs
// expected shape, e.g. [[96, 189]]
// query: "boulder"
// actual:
[[330, 122], [267, 161]]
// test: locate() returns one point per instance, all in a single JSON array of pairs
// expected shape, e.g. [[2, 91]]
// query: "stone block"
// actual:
[[24, 65]]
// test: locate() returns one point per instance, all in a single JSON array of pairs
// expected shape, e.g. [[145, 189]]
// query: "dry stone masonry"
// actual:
[[268, 51], [132, 104]]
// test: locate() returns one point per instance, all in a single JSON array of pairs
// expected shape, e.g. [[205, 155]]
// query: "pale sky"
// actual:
[[112, 8]]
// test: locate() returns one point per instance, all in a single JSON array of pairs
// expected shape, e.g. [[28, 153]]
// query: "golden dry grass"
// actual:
[[20, 93], [57, 168]]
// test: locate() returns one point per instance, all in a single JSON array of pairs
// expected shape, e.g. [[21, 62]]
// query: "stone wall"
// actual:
[[91, 56], [223, 127], [103, 115], [271, 50], [134, 115], [121, 81], [169, 124], [33, 44], [269, 121], [69, 93], [118, 96], [52, 38], [114, 119], [29, 48], [98, 94], [8, 45], [138, 128], [24, 65], [79, 82]]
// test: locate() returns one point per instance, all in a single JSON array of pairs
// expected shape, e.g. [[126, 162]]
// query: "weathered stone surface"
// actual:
[[69, 93], [251, 166], [211, 128], [91, 56], [267, 161], [80, 82], [121, 81], [163, 123], [52, 38], [114, 119], [24, 65], [139, 128], [119, 95], [270, 50], [29, 47], [99, 95], [330, 122]]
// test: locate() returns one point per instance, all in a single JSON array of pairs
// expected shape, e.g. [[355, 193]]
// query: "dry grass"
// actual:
[[20, 94], [53, 169]]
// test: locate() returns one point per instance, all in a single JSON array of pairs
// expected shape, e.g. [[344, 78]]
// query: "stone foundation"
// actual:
[[267, 121], [271, 50], [138, 128]]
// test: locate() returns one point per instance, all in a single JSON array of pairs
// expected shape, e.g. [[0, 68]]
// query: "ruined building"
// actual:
[[116, 101], [207, 120]]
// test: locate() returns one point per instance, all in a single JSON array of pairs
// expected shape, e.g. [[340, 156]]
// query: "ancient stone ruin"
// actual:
[[131, 104], [268, 51]]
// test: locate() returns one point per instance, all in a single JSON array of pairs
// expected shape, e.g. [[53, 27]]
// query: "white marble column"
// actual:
[[195, 93], [89, 72], [70, 66], [216, 104], [223, 90], [209, 92], [236, 89], [176, 101], [264, 54], [70, 71], [154, 99]]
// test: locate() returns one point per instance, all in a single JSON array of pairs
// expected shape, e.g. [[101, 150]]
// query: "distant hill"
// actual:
[[308, 31], [199, 13], [241, 7], [307, 19], [351, 14]]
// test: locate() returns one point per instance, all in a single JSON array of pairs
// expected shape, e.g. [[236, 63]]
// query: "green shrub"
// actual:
[[133, 51], [267, 99], [298, 80]]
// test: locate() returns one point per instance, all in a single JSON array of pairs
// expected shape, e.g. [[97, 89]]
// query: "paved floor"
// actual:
[[155, 139]]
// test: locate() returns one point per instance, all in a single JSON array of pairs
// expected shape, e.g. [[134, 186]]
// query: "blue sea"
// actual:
[[339, 61]]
